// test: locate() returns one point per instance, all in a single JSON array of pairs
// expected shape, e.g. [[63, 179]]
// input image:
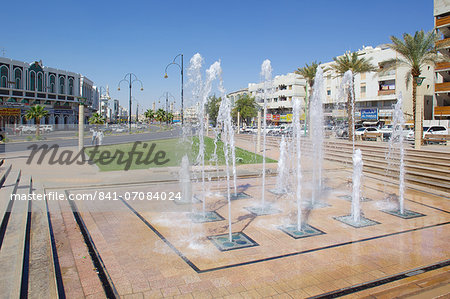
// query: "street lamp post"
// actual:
[[132, 78], [181, 68], [81, 104], [166, 95]]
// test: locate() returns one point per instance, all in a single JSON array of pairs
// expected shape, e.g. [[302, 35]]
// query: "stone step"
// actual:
[[345, 143], [419, 171], [411, 179], [438, 169], [42, 280], [440, 159], [4, 172], [413, 155], [9, 186], [12, 251], [78, 272]]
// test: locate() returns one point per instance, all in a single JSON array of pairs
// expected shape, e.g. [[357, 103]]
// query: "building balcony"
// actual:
[[442, 22], [442, 66], [443, 43], [386, 92], [441, 111], [442, 87]]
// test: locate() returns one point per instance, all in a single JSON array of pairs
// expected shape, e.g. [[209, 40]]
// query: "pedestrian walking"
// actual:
[[94, 137]]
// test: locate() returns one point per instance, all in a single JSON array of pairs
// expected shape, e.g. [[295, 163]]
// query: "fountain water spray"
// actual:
[[224, 119], [347, 91], [297, 134], [266, 73], [317, 132], [396, 144], [356, 194], [201, 91], [185, 180], [282, 176]]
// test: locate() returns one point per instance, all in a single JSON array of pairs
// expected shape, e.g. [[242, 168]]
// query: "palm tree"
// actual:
[[149, 115], [160, 116], [415, 52], [96, 119], [309, 73], [170, 117], [36, 112], [246, 106], [351, 62]]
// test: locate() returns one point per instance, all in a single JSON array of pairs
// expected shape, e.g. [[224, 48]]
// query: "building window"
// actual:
[[329, 92], [52, 83], [18, 78], [290, 87], [32, 85], [40, 81], [71, 86], [363, 76], [61, 85], [4, 76]]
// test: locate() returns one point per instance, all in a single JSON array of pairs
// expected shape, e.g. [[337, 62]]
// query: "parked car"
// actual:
[[251, 129], [28, 129], [342, 131], [388, 129], [368, 130], [46, 128], [436, 130], [274, 130], [119, 130], [360, 131]]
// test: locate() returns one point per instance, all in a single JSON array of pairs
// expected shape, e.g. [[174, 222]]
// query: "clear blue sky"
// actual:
[[104, 40]]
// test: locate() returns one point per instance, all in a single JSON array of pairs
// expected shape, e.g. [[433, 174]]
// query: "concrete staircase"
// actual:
[[26, 256], [426, 169]]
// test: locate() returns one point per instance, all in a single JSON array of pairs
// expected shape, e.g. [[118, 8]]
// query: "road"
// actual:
[[107, 140]]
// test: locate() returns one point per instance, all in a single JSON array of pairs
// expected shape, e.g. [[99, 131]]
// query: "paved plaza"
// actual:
[[156, 249]]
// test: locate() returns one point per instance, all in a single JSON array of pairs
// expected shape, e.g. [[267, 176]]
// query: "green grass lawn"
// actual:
[[166, 152]]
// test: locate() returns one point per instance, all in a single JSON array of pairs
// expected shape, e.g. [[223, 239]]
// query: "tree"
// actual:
[[169, 117], [97, 119], [149, 115], [309, 73], [36, 112], [415, 52], [246, 106], [160, 116], [358, 65], [212, 108]]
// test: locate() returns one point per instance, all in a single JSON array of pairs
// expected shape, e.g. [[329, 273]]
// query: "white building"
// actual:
[[376, 93], [442, 86], [23, 85], [104, 108], [115, 108], [235, 95], [280, 93], [123, 114]]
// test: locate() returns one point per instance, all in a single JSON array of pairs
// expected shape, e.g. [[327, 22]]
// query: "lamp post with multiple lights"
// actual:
[[130, 78], [181, 68], [167, 95]]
